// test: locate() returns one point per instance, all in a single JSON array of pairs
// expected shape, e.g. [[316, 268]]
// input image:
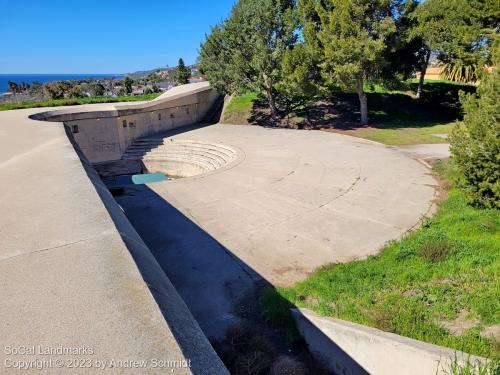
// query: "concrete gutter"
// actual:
[[350, 348], [80, 290]]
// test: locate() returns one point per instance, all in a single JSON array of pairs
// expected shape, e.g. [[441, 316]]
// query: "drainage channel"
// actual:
[[221, 292]]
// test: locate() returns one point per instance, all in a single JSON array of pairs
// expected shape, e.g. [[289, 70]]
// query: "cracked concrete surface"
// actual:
[[293, 201]]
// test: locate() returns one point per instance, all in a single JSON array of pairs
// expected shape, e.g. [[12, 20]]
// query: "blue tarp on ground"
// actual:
[[137, 179]]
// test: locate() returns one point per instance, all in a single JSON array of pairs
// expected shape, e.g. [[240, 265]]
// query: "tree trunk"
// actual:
[[268, 84], [422, 75], [272, 104], [363, 102]]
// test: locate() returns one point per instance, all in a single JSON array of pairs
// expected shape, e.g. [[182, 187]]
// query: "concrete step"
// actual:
[[157, 142], [187, 157], [211, 155], [205, 164], [205, 155], [208, 161], [190, 145], [152, 153], [162, 149]]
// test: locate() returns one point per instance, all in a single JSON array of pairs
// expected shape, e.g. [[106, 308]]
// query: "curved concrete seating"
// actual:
[[179, 158]]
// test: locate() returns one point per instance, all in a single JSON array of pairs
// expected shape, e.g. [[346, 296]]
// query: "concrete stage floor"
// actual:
[[293, 201]]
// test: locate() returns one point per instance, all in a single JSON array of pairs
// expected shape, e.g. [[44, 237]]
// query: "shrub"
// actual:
[[475, 145], [245, 351], [434, 246]]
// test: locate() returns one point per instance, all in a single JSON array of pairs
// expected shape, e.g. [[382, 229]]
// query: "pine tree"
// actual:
[[245, 52], [475, 145], [350, 38], [128, 85], [182, 73], [460, 33]]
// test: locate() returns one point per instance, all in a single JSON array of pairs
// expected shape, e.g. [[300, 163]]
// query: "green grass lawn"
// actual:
[[238, 110], [78, 101], [450, 267], [404, 135], [397, 119]]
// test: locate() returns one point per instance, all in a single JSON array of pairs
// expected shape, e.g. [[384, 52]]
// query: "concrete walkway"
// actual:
[[426, 152]]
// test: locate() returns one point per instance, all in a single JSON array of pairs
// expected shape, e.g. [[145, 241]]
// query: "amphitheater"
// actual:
[[150, 270]]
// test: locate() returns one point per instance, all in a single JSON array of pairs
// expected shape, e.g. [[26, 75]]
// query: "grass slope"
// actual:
[[450, 267], [77, 101], [238, 110]]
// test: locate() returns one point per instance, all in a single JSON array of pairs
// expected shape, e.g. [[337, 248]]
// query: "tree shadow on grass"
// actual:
[[439, 104]]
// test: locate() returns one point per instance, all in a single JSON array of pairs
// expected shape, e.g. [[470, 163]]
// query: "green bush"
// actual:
[[434, 246], [475, 145]]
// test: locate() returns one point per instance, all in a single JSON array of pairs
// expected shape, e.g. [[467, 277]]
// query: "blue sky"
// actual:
[[103, 36]]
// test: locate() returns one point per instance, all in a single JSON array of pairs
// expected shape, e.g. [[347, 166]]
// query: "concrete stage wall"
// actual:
[[104, 135]]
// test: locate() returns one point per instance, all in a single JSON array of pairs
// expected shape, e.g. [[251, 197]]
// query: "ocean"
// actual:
[[29, 78]]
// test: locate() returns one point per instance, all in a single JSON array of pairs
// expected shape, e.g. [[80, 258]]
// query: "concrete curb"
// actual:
[[350, 348]]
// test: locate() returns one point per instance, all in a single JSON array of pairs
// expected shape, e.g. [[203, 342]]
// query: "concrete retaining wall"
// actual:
[[187, 334], [350, 348], [104, 135]]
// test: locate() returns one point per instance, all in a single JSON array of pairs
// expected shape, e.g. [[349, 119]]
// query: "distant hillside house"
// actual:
[[163, 73], [165, 85], [196, 79], [137, 90], [432, 74]]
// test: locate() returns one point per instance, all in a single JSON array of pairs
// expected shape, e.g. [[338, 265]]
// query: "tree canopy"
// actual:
[[460, 33], [475, 144], [245, 52], [352, 40], [128, 84], [291, 50]]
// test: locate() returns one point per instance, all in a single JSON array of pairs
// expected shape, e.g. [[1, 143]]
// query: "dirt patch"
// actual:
[[413, 293], [289, 274], [460, 324], [312, 301], [491, 332], [443, 186]]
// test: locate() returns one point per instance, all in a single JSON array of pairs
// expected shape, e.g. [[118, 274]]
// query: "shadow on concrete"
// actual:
[[207, 275], [187, 333], [215, 112], [220, 289]]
